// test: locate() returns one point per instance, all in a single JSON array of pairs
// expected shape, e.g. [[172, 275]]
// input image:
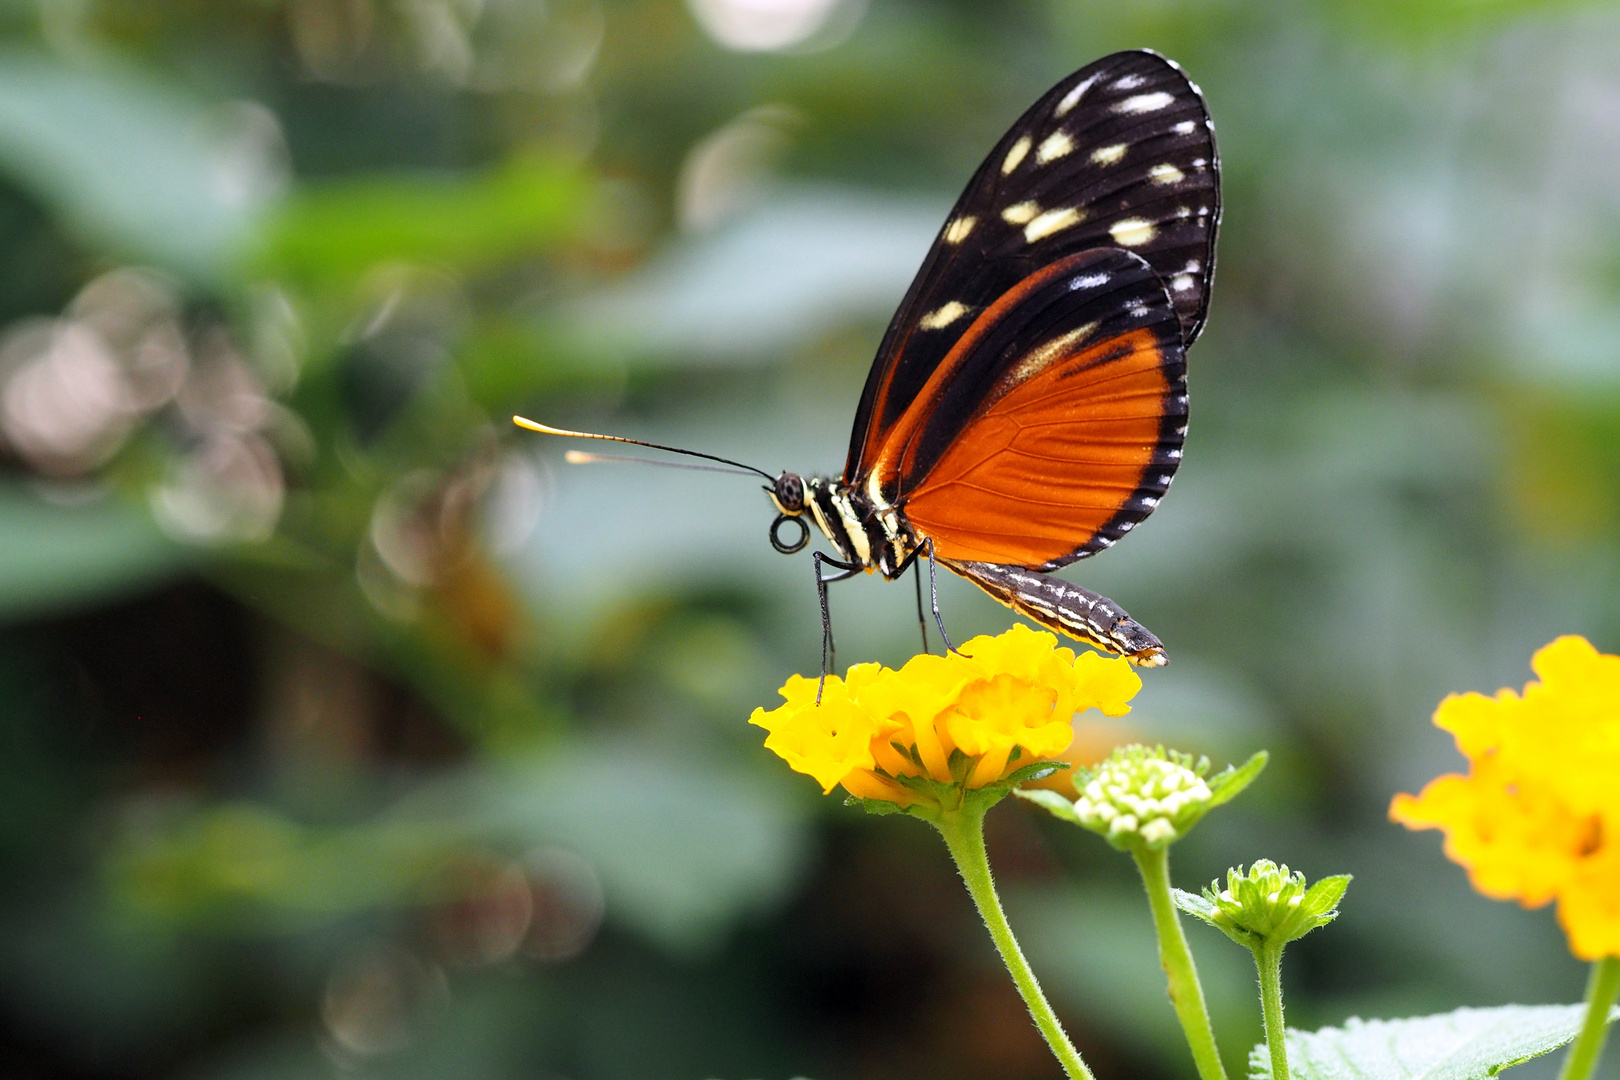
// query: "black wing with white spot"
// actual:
[[1120, 154]]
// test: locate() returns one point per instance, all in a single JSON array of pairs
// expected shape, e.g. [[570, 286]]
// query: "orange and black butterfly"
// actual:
[[1028, 403]]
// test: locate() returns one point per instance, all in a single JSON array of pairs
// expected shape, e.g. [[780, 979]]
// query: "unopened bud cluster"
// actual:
[[1269, 903], [1142, 796]]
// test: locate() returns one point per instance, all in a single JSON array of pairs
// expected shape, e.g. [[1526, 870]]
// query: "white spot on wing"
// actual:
[[1165, 174], [1088, 281], [1141, 103], [942, 316], [1133, 232], [1050, 222], [1020, 213], [1181, 283], [1053, 147], [1015, 155], [1072, 98], [1129, 82], [1186, 127], [1108, 155], [958, 230]]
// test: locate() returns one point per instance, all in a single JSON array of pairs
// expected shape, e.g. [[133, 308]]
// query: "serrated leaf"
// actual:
[[1230, 782], [1054, 804], [1467, 1044]]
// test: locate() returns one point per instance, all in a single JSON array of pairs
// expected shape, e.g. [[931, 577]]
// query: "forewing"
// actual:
[[1119, 154], [1054, 425]]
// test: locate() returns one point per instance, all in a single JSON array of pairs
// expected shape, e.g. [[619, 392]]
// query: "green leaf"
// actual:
[[1321, 898], [1467, 1044], [1194, 905], [339, 229], [121, 158], [874, 806], [1055, 804], [53, 556], [1038, 770], [1229, 783]]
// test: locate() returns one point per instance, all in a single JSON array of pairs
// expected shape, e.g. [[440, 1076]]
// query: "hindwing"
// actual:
[[1053, 426]]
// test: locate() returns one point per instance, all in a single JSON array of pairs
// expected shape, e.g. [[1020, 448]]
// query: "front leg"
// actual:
[[829, 651]]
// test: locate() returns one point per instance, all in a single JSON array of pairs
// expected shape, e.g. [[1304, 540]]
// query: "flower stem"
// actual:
[[1601, 990], [1186, 994], [1268, 962], [963, 830]]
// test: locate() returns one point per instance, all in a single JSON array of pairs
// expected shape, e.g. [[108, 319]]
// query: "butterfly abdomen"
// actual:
[[1066, 608]]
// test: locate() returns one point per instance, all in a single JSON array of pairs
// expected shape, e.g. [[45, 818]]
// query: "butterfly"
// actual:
[[1028, 403]]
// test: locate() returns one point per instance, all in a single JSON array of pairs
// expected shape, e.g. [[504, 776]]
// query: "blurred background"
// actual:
[[347, 731]]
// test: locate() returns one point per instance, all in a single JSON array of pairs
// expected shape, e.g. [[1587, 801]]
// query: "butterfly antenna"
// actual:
[[583, 457], [544, 429]]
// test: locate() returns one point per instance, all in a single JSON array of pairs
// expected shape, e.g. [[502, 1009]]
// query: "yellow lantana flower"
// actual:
[[972, 718], [1537, 818]]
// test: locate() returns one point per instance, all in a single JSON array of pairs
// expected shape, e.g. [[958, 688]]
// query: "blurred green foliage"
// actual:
[[348, 729]]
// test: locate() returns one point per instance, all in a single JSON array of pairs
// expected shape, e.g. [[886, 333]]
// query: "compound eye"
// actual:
[[790, 492]]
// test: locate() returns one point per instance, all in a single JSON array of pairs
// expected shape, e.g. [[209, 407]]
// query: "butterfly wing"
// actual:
[[1054, 424], [1119, 154]]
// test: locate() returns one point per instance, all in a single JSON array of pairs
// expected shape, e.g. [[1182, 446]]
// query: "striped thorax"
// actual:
[[863, 527]]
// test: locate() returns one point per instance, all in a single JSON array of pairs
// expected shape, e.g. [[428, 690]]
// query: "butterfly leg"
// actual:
[[922, 620], [933, 596], [829, 650]]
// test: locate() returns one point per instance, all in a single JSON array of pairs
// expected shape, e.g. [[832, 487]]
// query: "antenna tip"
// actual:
[[525, 422], [580, 457]]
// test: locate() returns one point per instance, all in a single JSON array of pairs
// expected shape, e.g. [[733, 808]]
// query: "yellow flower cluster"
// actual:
[[1003, 703], [1537, 818]]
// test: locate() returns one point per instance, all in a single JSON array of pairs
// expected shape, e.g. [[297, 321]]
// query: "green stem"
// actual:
[[1601, 990], [1268, 962], [1186, 994], [963, 830]]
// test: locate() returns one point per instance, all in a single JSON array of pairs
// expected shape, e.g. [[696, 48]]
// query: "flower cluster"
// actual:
[[1537, 816], [1268, 904], [973, 718], [1143, 794]]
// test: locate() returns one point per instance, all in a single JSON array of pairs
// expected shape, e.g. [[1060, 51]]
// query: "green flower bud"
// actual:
[[1267, 905]]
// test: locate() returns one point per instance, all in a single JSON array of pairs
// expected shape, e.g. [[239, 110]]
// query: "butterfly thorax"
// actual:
[[862, 526]]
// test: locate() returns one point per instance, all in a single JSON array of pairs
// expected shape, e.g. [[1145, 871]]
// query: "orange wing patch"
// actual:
[[1039, 472]]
